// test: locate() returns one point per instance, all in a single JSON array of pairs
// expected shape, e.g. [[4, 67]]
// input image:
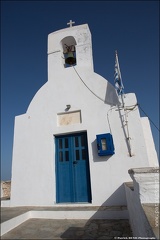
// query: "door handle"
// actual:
[[74, 162]]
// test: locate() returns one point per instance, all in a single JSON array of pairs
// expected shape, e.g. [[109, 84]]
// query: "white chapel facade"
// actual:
[[72, 145]]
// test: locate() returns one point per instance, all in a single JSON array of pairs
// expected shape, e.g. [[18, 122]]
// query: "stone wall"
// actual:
[[5, 189]]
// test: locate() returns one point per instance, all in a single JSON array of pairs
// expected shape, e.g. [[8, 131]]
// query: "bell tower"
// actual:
[[71, 46]]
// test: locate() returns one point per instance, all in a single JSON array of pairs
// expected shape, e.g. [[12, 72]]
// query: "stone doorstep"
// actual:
[[10, 212], [21, 214], [79, 208], [58, 207]]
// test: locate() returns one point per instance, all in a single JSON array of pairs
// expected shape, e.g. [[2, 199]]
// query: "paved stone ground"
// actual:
[[70, 229]]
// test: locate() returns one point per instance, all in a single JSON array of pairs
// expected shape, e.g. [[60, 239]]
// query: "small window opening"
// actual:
[[69, 51], [70, 56]]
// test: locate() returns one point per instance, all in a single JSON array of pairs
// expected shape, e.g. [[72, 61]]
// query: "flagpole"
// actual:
[[128, 137], [120, 92], [126, 123]]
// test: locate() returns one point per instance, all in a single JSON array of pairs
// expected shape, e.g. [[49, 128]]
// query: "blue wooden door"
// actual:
[[72, 169]]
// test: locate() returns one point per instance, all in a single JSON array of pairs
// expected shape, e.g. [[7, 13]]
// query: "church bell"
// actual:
[[70, 59]]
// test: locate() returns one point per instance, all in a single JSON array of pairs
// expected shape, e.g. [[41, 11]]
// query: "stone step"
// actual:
[[12, 217]]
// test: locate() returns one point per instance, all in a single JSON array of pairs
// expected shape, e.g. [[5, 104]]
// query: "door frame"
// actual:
[[88, 178]]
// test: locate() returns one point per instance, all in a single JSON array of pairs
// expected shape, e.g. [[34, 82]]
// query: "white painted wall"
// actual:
[[152, 154], [146, 183], [146, 190], [33, 166]]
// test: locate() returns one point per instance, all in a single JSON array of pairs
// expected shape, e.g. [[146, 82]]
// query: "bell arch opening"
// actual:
[[68, 46]]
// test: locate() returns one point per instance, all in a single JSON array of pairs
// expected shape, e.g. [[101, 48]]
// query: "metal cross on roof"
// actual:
[[70, 23]]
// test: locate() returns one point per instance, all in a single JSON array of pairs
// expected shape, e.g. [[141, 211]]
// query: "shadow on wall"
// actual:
[[97, 158], [117, 198], [107, 223], [111, 97]]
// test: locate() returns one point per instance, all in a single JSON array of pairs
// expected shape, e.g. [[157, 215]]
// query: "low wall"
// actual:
[[143, 201]]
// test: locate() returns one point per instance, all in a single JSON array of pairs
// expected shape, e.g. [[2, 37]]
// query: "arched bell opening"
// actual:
[[68, 45]]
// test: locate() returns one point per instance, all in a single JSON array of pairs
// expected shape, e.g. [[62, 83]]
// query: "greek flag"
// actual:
[[117, 77]]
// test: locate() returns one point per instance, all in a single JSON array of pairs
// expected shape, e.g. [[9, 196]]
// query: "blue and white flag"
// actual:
[[117, 77]]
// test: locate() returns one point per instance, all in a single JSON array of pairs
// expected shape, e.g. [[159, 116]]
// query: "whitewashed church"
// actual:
[[77, 141]]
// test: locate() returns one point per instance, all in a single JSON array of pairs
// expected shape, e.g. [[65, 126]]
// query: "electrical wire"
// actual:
[[125, 107], [108, 118], [149, 118], [87, 86]]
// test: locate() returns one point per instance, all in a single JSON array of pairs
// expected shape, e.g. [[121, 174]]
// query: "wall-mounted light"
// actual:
[[68, 106]]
